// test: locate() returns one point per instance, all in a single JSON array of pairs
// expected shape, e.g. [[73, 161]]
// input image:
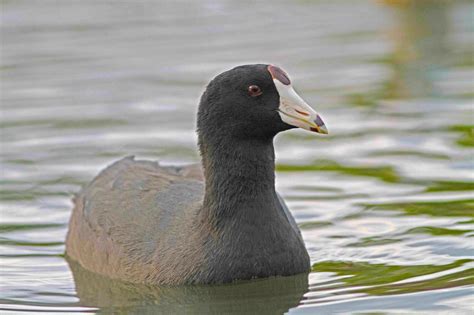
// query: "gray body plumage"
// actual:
[[140, 222]]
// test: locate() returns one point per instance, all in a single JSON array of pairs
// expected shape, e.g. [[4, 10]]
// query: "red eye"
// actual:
[[254, 90]]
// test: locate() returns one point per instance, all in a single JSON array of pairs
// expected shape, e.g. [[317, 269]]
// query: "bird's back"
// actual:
[[133, 220]]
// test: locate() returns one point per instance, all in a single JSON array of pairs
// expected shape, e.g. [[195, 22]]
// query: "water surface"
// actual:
[[384, 202]]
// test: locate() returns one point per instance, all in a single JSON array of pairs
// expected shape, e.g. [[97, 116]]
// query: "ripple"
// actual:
[[384, 202]]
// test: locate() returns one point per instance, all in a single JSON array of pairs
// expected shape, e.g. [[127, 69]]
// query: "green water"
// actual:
[[385, 202]]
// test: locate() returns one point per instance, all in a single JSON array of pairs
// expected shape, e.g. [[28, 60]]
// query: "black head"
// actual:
[[241, 103], [252, 102]]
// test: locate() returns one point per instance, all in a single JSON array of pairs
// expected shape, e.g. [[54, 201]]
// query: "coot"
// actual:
[[143, 223]]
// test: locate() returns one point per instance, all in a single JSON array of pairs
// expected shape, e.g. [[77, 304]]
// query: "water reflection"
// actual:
[[419, 53], [420, 50], [269, 296], [380, 279]]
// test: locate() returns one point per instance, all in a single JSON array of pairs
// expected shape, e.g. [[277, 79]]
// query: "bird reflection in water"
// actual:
[[267, 296]]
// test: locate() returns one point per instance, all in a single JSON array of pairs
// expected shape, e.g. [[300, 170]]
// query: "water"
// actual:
[[384, 202]]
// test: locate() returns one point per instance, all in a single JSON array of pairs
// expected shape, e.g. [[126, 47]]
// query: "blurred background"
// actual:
[[385, 202]]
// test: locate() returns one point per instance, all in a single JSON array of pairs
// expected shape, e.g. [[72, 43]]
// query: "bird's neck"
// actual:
[[240, 179]]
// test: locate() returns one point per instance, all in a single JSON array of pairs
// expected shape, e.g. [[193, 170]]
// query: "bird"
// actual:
[[216, 223]]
